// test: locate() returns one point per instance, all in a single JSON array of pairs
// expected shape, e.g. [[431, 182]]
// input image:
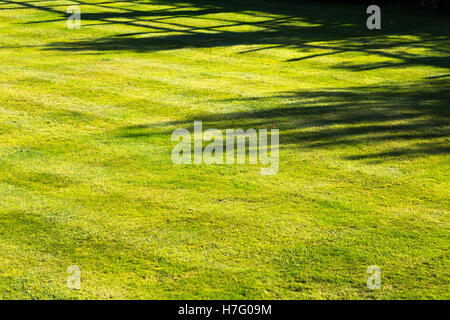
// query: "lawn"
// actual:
[[86, 176]]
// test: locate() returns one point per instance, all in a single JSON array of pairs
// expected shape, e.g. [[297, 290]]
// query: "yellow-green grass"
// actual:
[[86, 176]]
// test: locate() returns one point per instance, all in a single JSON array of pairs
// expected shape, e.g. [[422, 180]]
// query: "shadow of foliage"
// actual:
[[334, 118], [298, 24], [327, 118]]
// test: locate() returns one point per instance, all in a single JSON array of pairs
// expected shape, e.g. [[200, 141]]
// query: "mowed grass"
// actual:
[[86, 176]]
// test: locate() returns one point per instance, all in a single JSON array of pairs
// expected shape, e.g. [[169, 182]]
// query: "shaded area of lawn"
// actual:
[[315, 118], [295, 25], [339, 117]]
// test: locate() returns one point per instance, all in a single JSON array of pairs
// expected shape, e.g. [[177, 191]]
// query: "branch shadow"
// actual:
[[416, 114], [418, 117], [302, 25]]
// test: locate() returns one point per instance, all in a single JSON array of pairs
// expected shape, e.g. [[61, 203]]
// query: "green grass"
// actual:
[[86, 176]]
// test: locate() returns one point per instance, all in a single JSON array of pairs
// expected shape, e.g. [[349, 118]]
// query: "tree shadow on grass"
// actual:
[[303, 25], [415, 114], [416, 117]]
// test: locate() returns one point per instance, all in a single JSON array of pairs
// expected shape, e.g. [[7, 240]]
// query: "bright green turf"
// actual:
[[86, 176]]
